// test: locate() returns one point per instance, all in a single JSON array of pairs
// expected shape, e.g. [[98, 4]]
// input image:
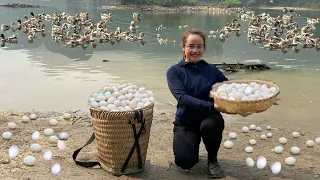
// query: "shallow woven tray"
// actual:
[[114, 139], [242, 107]]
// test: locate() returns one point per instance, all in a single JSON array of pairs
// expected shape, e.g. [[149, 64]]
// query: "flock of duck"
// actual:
[[77, 30], [274, 33]]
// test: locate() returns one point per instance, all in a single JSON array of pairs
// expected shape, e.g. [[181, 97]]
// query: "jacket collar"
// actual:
[[200, 63]]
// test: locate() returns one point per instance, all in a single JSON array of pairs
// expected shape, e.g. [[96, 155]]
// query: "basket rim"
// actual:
[[99, 110], [249, 101]]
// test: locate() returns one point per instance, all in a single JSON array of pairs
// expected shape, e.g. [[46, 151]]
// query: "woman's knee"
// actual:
[[186, 161], [212, 124]]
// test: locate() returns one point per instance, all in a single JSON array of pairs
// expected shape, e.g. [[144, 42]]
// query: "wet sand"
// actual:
[[159, 162]]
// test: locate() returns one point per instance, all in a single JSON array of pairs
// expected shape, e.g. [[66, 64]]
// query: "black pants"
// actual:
[[186, 141]]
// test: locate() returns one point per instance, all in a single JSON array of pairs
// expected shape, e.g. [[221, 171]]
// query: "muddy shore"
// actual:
[[159, 163]]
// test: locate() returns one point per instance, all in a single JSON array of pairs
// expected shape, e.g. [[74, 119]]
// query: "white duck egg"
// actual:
[[269, 134], [140, 105], [131, 91], [103, 103], [283, 140], [117, 102], [290, 161], [252, 127], [141, 90], [252, 141], [221, 90], [53, 122], [107, 88], [55, 169], [273, 90], [245, 129], [94, 104], [29, 160], [66, 116], [247, 90], [310, 143], [275, 168], [124, 90], [129, 96], [108, 95], [278, 149], [151, 99], [61, 145], [244, 98], [48, 132], [223, 94], [263, 137], [94, 94], [7, 135], [121, 98], [238, 95], [123, 103], [147, 103], [249, 162], [53, 139], [35, 135], [268, 128], [92, 99], [13, 151], [138, 96], [233, 135], [259, 129], [12, 125], [145, 95], [261, 162], [33, 116], [228, 144], [35, 147], [47, 155], [295, 134], [150, 93], [25, 119], [116, 94], [144, 100], [317, 140], [64, 136], [249, 149], [295, 150], [111, 107], [100, 98], [111, 100]]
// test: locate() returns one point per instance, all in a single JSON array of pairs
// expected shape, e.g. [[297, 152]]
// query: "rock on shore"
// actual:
[[18, 5]]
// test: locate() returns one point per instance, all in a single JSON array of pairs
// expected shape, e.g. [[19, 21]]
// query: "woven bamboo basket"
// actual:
[[243, 107], [115, 138]]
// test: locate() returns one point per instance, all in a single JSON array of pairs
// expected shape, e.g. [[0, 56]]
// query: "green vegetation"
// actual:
[[291, 3]]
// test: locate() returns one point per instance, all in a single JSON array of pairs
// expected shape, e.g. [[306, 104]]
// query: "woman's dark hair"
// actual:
[[186, 34]]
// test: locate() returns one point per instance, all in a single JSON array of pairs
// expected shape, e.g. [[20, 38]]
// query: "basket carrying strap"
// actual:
[[138, 117], [85, 164]]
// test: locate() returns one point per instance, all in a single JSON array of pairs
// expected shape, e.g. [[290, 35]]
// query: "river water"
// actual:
[[45, 75]]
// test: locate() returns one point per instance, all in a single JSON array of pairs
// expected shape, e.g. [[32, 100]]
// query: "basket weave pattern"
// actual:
[[115, 138], [238, 107]]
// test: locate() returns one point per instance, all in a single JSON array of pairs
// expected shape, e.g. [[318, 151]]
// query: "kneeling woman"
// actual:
[[190, 82]]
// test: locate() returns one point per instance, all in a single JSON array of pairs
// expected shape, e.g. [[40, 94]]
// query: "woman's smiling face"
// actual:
[[193, 49]]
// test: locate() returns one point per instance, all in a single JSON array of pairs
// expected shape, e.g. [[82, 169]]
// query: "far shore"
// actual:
[[201, 7], [295, 8]]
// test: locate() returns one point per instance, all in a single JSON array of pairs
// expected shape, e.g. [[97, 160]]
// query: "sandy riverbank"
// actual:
[[160, 157]]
